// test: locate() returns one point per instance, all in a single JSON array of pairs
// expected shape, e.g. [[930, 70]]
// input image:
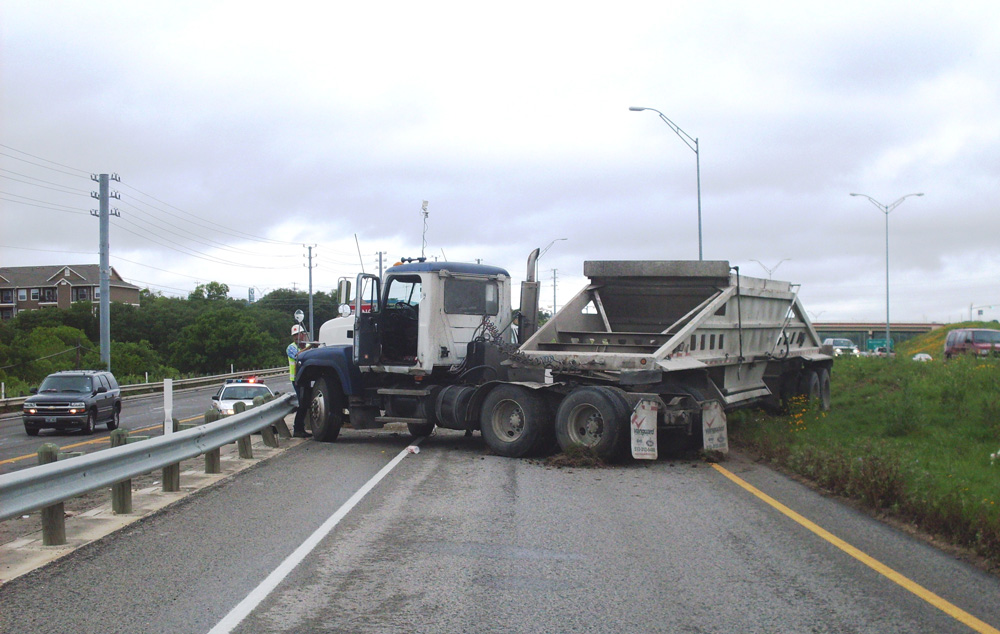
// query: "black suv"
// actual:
[[74, 399]]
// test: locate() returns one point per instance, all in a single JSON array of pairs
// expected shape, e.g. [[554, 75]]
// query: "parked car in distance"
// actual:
[[234, 391], [73, 399], [977, 341], [841, 346]]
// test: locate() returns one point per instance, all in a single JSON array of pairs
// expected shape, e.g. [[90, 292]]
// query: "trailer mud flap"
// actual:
[[713, 427], [643, 429]]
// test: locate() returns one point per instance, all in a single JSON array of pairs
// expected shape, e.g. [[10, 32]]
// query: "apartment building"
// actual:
[[58, 286]]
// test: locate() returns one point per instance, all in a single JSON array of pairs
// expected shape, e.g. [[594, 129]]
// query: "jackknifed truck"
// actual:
[[647, 354]]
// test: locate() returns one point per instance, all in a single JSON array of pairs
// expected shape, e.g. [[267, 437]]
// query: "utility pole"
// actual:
[[311, 333], [554, 283], [103, 196], [379, 265]]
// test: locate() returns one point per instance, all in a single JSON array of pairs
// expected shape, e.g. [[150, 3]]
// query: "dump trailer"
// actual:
[[649, 352]]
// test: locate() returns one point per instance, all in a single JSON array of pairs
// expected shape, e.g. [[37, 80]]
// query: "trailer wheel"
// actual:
[[326, 411], [824, 389], [513, 421], [809, 387], [593, 417]]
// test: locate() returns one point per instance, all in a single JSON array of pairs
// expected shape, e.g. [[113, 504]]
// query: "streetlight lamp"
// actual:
[[771, 270], [691, 143], [886, 209]]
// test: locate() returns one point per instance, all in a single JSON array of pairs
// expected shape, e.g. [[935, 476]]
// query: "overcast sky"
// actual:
[[243, 131]]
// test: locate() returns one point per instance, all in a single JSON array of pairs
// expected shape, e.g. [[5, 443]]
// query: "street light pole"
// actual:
[[885, 209], [542, 252], [691, 143]]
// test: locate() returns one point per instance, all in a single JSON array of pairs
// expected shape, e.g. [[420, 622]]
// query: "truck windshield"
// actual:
[[471, 297], [403, 290]]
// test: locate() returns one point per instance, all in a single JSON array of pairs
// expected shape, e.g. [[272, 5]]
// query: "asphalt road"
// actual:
[[455, 540], [140, 414]]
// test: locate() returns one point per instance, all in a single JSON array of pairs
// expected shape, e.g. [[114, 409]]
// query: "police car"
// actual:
[[235, 391]]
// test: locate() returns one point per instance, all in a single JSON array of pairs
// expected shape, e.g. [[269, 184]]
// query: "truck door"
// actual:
[[367, 316]]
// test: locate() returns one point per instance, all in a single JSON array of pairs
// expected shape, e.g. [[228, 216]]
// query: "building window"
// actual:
[[22, 295], [34, 294], [81, 294], [48, 294], [97, 292], [6, 297], [6, 313]]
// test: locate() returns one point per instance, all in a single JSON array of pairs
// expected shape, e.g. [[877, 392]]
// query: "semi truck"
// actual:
[[647, 353]]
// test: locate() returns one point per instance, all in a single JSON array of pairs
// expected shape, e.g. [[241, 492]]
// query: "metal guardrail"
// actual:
[[10, 404], [44, 485]]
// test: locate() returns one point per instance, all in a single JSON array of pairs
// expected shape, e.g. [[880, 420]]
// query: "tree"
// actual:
[[213, 291], [223, 337]]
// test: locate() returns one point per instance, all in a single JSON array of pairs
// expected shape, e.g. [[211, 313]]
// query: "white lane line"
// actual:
[[258, 594]]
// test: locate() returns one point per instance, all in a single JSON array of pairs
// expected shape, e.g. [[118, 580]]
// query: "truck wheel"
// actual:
[[326, 411], [824, 389], [513, 421], [809, 386], [592, 417], [88, 427], [419, 430], [115, 420]]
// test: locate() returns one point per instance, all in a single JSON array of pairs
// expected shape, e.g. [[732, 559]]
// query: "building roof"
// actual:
[[51, 275]]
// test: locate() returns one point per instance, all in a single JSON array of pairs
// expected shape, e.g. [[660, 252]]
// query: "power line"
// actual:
[[48, 184], [219, 226], [45, 204], [83, 174]]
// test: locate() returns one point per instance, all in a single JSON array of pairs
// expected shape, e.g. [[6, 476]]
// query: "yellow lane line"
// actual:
[[951, 610], [95, 441]]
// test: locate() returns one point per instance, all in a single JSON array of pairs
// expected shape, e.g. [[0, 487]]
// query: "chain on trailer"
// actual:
[[494, 335]]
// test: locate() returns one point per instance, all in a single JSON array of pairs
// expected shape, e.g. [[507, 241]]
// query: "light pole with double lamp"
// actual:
[[886, 209], [691, 143]]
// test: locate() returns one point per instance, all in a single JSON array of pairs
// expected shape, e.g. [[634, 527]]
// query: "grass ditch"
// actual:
[[911, 440]]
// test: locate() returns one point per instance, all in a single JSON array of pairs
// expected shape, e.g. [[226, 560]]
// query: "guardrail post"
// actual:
[[246, 451], [53, 517], [213, 461], [172, 472], [121, 492], [268, 435], [283, 430]]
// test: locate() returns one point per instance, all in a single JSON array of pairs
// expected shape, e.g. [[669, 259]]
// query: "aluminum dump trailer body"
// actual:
[[642, 322]]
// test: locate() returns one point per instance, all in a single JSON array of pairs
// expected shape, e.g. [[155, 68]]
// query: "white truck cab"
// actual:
[[424, 315]]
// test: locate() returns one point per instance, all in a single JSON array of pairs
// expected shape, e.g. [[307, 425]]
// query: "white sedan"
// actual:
[[238, 391]]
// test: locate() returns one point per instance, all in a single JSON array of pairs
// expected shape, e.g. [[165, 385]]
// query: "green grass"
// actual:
[[905, 438]]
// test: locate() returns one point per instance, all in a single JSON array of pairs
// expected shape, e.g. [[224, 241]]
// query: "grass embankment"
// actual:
[[909, 439]]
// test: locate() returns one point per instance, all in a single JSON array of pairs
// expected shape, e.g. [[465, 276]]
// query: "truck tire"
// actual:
[[809, 386], [419, 430], [513, 421], [325, 415], [824, 389], [593, 417]]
